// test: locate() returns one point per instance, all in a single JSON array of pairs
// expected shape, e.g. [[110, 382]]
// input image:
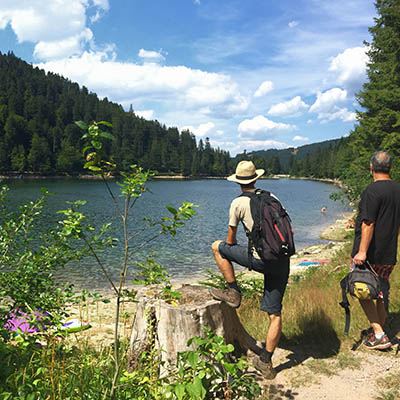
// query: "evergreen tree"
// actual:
[[276, 165], [379, 121], [195, 164], [39, 155], [207, 159], [18, 159], [69, 158]]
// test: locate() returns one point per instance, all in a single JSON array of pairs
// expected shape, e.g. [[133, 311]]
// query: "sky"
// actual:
[[249, 75]]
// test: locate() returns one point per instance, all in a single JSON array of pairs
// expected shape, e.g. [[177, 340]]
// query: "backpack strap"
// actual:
[[345, 303], [250, 244]]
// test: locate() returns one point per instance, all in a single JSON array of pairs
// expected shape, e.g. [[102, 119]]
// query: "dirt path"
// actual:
[[360, 374]]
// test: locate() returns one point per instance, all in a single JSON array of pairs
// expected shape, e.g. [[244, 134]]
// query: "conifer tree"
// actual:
[[379, 119]]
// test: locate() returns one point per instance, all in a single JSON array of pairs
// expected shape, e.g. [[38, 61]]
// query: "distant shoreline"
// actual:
[[156, 177]]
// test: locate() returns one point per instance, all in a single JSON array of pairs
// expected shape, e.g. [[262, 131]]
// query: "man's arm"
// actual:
[[367, 231], [231, 237]]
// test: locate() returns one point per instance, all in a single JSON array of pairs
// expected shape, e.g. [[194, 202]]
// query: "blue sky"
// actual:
[[252, 75]]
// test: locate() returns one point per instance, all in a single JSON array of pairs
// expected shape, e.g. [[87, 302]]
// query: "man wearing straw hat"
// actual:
[[275, 272]]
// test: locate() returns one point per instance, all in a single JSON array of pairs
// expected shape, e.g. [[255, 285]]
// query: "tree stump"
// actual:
[[168, 327]]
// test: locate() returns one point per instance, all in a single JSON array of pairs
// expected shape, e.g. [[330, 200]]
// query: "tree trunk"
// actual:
[[169, 327]]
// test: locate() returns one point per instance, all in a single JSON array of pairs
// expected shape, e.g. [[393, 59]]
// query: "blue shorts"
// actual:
[[276, 274]]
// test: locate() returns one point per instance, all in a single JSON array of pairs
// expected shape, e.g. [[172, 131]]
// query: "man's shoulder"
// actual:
[[387, 191], [383, 186], [240, 200]]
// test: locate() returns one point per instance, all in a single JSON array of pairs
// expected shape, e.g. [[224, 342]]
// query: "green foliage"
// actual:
[[60, 370], [214, 279], [248, 286], [208, 372], [57, 371], [39, 155], [152, 273], [27, 261]]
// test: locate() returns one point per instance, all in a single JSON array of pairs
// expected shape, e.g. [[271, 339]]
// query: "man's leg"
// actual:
[[264, 362], [224, 265], [274, 289], [376, 311], [371, 312], [274, 332], [232, 295], [376, 315], [381, 309]]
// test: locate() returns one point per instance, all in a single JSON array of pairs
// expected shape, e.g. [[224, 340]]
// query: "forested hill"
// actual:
[[38, 133], [325, 159], [285, 154]]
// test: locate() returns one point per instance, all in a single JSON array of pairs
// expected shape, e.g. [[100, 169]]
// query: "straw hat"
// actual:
[[246, 173]]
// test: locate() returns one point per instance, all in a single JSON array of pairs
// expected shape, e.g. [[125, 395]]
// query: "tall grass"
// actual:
[[311, 313]]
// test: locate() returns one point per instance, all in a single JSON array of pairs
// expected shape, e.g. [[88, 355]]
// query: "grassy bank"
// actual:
[[311, 311]]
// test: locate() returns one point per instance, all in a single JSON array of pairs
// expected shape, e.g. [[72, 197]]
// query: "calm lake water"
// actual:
[[189, 253]]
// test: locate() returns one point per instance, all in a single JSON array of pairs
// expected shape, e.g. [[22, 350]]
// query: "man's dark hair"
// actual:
[[248, 185], [381, 162]]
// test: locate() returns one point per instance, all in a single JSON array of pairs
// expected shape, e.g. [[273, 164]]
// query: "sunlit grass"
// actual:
[[311, 313]]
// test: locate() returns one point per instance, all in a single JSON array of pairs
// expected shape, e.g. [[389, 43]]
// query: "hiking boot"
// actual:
[[377, 344], [230, 296], [265, 368]]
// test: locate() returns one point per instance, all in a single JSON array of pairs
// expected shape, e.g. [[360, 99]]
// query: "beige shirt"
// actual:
[[240, 211]]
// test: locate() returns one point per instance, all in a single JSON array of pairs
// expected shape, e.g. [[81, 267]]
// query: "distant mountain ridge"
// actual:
[[285, 155]]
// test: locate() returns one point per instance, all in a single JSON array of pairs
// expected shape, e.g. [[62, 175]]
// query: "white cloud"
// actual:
[[293, 108], [58, 28], [103, 4], [44, 21], [73, 45], [330, 105], [260, 124], [151, 55], [300, 139], [216, 93], [248, 145], [202, 130], [292, 24], [175, 86], [338, 113], [146, 114], [327, 101], [264, 88], [350, 67]]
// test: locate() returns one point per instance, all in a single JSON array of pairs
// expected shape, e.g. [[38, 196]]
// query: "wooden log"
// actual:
[[168, 327]]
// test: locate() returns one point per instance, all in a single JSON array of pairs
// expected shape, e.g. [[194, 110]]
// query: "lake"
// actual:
[[189, 253]]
